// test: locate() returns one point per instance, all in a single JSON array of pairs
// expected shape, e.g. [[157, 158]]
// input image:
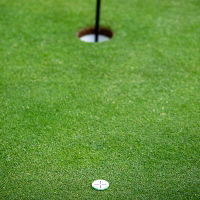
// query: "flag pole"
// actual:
[[98, 7]]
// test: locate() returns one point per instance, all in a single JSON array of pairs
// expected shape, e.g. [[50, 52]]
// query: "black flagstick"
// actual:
[[97, 20]]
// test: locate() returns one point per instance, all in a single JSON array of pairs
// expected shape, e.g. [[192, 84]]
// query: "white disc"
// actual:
[[100, 185], [91, 38]]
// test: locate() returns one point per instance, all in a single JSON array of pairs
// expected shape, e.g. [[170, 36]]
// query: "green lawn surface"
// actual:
[[127, 110]]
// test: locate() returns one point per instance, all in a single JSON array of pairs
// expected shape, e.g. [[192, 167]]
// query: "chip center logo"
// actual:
[[100, 185]]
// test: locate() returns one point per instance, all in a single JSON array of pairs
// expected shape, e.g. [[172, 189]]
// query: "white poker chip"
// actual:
[[100, 185]]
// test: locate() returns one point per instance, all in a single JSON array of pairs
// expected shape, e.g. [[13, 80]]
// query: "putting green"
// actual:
[[126, 111]]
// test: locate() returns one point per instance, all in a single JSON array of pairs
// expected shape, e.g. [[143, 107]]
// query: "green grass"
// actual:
[[127, 110]]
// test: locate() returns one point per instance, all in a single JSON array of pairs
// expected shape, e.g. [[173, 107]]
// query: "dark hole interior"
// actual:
[[91, 30]]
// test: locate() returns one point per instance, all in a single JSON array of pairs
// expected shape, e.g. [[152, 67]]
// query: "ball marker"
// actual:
[[100, 185]]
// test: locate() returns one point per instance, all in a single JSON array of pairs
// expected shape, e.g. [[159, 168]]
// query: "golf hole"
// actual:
[[88, 34]]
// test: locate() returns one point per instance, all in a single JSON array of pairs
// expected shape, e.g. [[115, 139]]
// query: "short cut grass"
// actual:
[[127, 110]]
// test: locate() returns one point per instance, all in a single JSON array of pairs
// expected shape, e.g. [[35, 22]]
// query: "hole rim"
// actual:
[[91, 30]]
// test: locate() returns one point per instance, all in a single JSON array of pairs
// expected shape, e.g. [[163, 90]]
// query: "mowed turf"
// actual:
[[127, 111]]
